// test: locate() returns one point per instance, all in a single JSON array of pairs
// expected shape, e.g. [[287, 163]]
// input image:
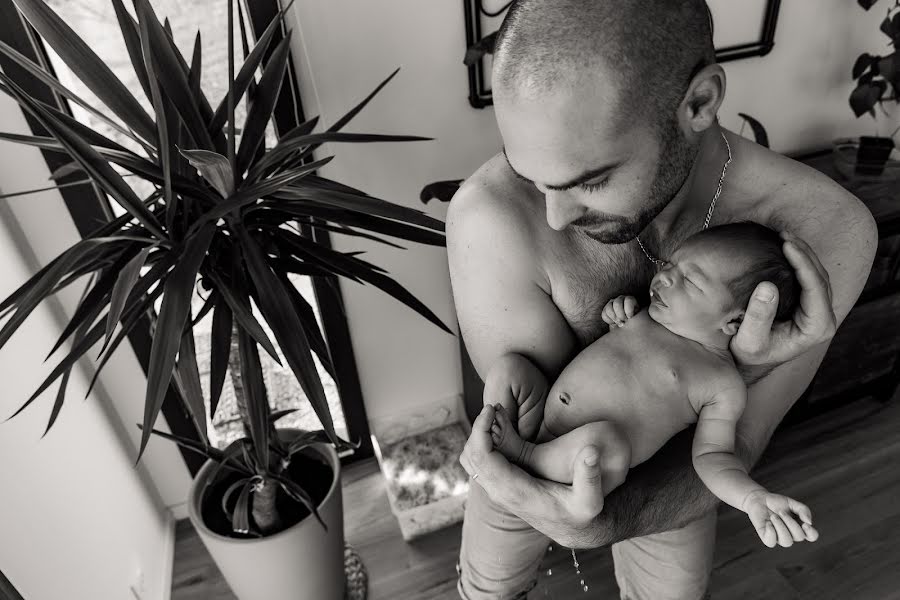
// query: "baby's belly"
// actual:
[[606, 384]]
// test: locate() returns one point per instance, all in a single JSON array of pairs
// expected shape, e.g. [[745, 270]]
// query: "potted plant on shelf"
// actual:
[[877, 81], [226, 211]]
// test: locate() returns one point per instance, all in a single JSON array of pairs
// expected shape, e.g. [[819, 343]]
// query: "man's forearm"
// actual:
[[661, 494]]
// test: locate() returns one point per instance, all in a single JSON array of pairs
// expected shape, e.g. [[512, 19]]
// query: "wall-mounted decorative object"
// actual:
[[741, 30]]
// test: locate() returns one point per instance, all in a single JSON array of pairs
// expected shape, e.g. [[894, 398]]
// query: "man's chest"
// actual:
[[583, 279]]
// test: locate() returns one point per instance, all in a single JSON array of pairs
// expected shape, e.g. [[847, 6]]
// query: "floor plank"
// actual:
[[844, 464]]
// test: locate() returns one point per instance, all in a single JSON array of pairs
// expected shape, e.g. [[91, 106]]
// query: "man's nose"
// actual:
[[561, 209]]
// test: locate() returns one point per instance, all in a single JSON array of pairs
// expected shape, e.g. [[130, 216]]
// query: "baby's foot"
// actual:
[[506, 439]]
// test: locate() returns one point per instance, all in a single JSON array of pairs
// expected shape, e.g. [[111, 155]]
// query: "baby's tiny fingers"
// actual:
[[619, 306], [801, 510], [811, 533], [767, 535], [785, 539], [796, 531], [609, 314], [630, 306]]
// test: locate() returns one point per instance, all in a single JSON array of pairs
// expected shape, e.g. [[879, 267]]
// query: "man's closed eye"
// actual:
[[594, 187]]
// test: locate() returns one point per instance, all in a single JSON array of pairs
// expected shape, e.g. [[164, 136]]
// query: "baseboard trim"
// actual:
[[169, 554], [179, 511]]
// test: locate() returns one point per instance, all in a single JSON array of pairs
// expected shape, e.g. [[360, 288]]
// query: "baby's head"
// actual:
[[701, 293]]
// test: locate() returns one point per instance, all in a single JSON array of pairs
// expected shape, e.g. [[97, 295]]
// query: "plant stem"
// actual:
[[264, 511], [237, 381]]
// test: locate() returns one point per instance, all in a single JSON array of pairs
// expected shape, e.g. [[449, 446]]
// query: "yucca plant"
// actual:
[[225, 211]]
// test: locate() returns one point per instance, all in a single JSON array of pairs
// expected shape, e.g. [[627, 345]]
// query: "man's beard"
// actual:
[[676, 159]]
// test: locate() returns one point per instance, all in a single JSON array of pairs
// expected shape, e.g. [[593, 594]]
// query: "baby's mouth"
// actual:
[[654, 297]]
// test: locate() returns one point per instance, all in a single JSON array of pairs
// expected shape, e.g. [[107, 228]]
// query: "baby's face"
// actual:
[[689, 295]]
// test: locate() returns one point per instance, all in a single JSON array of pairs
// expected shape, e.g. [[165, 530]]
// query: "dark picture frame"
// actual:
[[477, 17]]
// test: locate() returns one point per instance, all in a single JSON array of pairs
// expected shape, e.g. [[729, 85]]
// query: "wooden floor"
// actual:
[[845, 465]]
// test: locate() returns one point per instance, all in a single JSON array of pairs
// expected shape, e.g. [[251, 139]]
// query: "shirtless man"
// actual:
[[608, 115]]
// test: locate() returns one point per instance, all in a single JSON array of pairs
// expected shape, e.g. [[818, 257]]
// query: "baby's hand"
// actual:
[[779, 519], [618, 310]]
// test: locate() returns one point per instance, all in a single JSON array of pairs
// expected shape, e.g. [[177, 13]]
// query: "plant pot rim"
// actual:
[[327, 451]]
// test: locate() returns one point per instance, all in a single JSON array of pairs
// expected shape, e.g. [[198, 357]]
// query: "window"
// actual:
[[95, 21]]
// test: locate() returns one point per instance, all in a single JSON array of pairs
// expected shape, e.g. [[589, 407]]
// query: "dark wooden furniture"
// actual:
[[863, 356]]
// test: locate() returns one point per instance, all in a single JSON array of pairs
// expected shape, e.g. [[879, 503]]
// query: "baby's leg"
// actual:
[[519, 387], [555, 460]]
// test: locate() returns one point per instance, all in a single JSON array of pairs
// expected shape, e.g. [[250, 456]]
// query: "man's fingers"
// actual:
[[480, 442], [484, 419], [753, 335], [587, 484], [815, 295], [807, 250]]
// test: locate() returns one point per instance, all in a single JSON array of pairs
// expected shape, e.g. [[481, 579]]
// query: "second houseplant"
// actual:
[[877, 81], [229, 213]]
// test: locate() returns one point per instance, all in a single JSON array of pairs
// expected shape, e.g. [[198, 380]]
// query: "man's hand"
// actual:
[[618, 310], [554, 509], [759, 342]]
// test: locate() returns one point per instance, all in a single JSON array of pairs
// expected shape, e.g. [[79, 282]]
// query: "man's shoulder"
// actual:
[[492, 193], [836, 224], [795, 196], [496, 207]]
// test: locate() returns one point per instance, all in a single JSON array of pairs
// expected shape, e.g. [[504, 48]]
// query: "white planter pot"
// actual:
[[303, 562]]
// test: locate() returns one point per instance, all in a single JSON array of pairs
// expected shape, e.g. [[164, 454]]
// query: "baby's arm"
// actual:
[[726, 476], [521, 388]]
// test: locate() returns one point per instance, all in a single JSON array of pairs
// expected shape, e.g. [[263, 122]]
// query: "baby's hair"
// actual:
[[761, 246]]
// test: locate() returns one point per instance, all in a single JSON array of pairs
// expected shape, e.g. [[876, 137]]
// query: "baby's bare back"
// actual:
[[638, 376]]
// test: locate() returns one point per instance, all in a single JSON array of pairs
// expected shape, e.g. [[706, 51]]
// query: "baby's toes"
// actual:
[[502, 419], [496, 436]]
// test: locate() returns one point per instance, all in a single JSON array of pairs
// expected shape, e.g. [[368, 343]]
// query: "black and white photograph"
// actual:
[[449, 300]]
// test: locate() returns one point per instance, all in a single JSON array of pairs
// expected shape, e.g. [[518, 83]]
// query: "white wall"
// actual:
[[346, 47], [78, 520], [800, 90]]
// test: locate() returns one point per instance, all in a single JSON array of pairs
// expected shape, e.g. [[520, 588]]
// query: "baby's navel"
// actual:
[[564, 398]]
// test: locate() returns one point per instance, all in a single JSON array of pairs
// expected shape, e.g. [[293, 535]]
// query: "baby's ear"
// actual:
[[733, 324]]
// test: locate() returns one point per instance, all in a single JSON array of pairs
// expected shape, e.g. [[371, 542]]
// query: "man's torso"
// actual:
[[581, 275]]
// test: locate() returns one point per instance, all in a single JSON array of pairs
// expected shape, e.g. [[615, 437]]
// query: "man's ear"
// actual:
[[732, 325], [703, 98]]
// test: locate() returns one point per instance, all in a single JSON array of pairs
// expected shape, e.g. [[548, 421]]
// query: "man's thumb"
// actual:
[[587, 483], [753, 335]]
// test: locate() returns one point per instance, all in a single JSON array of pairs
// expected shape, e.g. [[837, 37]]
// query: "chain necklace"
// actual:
[[709, 213]]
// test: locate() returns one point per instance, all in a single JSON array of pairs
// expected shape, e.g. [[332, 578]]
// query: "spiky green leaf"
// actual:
[[173, 313]]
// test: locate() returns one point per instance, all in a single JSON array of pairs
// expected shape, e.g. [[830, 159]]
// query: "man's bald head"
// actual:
[[649, 49]]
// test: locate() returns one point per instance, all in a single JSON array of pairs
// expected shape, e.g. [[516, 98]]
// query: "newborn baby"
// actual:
[[656, 372]]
